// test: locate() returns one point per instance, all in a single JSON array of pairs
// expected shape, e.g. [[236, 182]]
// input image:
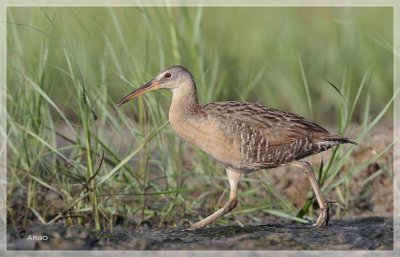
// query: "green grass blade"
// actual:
[[47, 98], [45, 143], [286, 216], [306, 87], [343, 100], [106, 177]]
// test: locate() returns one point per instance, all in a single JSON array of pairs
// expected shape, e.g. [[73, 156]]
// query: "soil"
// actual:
[[373, 233]]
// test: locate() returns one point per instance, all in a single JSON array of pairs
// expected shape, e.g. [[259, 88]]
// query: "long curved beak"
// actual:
[[149, 86]]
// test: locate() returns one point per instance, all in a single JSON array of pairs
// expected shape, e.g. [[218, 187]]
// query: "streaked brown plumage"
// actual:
[[243, 136]]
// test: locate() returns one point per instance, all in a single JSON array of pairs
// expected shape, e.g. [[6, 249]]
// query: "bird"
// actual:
[[243, 136]]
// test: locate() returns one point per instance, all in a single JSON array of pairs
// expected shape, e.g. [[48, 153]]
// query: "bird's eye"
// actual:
[[167, 75]]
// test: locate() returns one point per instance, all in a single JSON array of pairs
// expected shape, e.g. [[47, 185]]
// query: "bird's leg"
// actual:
[[323, 218], [234, 178]]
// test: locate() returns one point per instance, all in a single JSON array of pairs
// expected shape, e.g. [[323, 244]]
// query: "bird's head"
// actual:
[[170, 78]]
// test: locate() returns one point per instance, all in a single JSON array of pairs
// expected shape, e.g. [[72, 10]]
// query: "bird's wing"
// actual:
[[275, 126]]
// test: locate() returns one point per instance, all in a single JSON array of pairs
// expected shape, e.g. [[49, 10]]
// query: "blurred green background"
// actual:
[[234, 53], [66, 66]]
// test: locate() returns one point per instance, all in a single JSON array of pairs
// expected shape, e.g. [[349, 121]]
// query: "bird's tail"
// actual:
[[335, 140]]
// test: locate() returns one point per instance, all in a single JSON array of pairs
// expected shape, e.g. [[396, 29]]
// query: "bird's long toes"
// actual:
[[317, 224], [197, 225], [323, 218]]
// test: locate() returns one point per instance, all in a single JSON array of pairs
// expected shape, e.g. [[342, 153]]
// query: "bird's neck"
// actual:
[[184, 99], [183, 111]]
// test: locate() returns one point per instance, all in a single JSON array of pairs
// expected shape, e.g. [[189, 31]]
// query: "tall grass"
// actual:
[[107, 166]]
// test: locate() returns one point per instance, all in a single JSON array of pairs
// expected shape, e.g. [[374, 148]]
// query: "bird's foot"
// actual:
[[323, 218], [197, 225]]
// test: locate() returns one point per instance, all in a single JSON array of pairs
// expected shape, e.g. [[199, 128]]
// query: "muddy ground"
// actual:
[[373, 233]]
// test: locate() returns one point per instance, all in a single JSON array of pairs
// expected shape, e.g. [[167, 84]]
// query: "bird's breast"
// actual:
[[205, 133]]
